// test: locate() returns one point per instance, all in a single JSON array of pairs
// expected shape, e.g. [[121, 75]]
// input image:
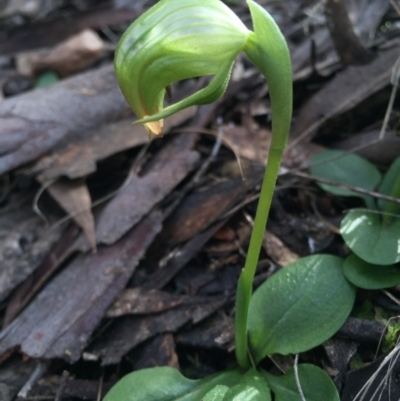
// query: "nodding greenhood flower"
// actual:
[[180, 39]]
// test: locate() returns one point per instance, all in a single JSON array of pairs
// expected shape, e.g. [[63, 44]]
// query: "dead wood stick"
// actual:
[[349, 47], [344, 186]]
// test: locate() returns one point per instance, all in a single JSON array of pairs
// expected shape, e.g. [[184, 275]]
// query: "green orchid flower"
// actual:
[[181, 39], [172, 41]]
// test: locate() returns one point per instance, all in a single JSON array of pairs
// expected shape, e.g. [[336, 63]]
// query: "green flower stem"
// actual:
[[267, 49]]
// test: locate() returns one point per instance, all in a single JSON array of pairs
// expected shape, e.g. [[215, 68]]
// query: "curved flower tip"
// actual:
[[155, 128], [172, 41]]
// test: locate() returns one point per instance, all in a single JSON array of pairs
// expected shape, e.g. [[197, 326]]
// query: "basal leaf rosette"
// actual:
[[172, 41]]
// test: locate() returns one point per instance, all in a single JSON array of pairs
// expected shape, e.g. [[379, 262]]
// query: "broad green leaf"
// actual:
[[299, 307], [314, 382], [167, 384], [349, 169], [391, 186], [369, 239], [251, 387], [368, 276], [216, 394]]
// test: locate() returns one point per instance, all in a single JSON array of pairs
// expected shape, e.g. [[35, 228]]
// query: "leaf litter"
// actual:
[[170, 235]]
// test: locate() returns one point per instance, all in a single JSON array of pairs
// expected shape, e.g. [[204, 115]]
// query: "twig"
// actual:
[[100, 389], [36, 375], [395, 83], [344, 186], [61, 387], [296, 376]]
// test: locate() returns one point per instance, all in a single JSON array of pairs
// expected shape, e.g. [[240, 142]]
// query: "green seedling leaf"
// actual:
[[315, 384], [349, 169], [167, 384], [299, 307], [251, 387], [368, 276], [369, 239], [48, 78], [390, 186]]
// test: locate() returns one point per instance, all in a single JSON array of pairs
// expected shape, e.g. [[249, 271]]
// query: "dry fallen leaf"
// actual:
[[74, 197], [277, 250], [73, 55]]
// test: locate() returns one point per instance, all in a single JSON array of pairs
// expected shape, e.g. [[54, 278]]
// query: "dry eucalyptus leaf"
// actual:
[[73, 55], [74, 198], [277, 250]]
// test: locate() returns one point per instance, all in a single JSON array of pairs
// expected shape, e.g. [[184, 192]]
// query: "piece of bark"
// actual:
[[381, 152], [126, 333], [362, 331], [215, 332], [13, 375], [24, 241], [380, 384], [74, 55], [35, 122], [346, 90], [200, 209], [74, 198], [32, 284], [52, 31], [158, 351], [74, 388], [163, 276], [60, 320], [30, 9], [366, 16], [340, 352], [347, 44], [79, 156], [140, 195], [70, 245]]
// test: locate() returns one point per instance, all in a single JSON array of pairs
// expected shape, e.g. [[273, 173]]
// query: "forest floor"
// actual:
[[117, 253]]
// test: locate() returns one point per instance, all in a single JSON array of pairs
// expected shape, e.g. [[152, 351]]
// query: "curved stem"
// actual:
[[267, 49]]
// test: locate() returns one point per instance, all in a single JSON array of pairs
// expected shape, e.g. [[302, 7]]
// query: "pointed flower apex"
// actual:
[[172, 41]]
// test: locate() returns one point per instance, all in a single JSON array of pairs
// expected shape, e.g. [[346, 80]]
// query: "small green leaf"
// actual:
[[48, 78], [251, 387], [368, 276], [299, 307], [391, 186], [167, 384], [315, 384], [369, 239], [350, 169]]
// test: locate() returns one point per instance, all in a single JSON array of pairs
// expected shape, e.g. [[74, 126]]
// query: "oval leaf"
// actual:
[[167, 384], [216, 394], [299, 307], [313, 380], [251, 387], [368, 276], [369, 239], [391, 186], [349, 169]]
